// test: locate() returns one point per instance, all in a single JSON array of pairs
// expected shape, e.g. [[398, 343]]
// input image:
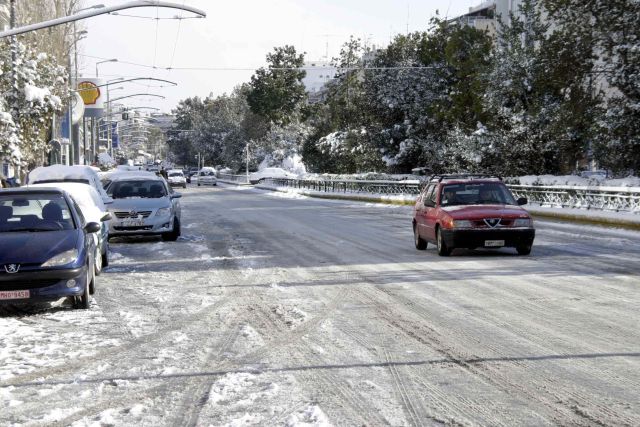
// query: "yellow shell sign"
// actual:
[[89, 92]]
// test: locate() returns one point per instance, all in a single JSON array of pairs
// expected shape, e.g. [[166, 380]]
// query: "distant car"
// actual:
[[206, 176], [144, 204], [175, 177], [47, 247], [61, 173], [463, 211], [256, 177], [93, 210]]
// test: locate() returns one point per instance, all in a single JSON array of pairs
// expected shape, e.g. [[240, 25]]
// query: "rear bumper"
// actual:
[[43, 285], [477, 238]]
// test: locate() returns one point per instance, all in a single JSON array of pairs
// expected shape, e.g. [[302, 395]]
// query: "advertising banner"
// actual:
[[93, 96], [115, 140]]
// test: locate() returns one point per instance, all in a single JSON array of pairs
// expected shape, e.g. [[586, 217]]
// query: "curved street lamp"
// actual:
[[99, 11], [102, 62], [136, 94]]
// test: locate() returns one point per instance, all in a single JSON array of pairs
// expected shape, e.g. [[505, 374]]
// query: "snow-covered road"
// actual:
[[273, 310]]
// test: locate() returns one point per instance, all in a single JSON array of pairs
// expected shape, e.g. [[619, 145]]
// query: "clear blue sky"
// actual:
[[236, 35]]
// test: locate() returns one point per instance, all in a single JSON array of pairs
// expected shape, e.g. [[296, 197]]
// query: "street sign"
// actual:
[[92, 96]]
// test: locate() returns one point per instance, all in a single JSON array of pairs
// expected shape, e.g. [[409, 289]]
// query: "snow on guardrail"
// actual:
[[618, 199]]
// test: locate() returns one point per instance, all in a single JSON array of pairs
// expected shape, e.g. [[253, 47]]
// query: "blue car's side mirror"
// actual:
[[92, 227]]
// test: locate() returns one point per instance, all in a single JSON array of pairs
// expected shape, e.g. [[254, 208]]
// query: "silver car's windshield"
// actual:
[[151, 189]]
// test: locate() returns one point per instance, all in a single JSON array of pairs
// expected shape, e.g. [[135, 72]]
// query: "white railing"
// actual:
[[240, 179], [599, 198], [618, 199]]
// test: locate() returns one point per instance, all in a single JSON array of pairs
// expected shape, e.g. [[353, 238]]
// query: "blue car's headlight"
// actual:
[[64, 258]]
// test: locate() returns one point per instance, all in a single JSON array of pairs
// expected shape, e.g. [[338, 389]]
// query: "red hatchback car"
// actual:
[[471, 211]]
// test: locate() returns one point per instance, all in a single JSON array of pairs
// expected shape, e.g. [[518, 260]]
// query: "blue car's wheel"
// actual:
[[84, 301]]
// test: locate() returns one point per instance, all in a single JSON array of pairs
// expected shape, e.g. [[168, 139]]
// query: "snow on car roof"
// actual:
[[85, 196], [47, 173], [133, 175]]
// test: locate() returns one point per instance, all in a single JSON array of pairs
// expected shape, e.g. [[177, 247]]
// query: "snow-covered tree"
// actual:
[[277, 92], [613, 29], [9, 141], [36, 93], [539, 96]]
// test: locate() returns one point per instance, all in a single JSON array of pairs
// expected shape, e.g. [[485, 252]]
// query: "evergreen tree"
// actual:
[[543, 109], [614, 30], [277, 92], [37, 93]]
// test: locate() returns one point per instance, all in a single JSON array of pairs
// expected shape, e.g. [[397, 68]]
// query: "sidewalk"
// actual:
[[595, 217]]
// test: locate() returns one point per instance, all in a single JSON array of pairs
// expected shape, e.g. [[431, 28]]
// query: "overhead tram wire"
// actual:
[[175, 44], [406, 67], [155, 47]]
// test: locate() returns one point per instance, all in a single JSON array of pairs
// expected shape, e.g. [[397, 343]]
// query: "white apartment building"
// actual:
[[319, 73], [484, 16]]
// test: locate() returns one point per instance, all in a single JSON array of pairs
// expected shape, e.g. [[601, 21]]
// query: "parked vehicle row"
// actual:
[[54, 233]]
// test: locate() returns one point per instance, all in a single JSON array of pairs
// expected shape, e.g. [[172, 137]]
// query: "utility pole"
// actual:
[[14, 57], [247, 168], [15, 111]]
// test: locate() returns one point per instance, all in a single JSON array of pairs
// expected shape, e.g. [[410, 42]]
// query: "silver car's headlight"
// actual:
[[64, 258], [523, 222], [163, 212]]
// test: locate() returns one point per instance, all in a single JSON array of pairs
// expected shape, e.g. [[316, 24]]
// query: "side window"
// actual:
[[83, 222], [423, 193], [430, 194]]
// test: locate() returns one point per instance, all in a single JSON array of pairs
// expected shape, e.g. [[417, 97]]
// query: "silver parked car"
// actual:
[[144, 204]]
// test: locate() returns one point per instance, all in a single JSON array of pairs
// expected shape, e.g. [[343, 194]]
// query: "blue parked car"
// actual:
[[46, 247]]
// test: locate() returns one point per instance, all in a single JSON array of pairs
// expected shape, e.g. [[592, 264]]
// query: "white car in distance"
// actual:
[[207, 176], [176, 178]]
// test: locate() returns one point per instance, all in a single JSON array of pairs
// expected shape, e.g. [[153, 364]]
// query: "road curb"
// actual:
[[535, 212], [593, 220]]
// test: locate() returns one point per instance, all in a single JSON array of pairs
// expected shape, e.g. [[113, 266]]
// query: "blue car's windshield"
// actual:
[[34, 213]]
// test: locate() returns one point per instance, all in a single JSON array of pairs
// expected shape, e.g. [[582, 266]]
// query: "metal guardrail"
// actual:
[[601, 198], [240, 179], [349, 186]]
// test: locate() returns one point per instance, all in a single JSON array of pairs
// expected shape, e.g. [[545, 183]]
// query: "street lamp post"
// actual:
[[109, 146], [102, 62], [247, 169]]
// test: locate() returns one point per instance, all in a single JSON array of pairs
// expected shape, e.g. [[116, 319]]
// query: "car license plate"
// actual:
[[133, 222], [493, 243], [4, 295]]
